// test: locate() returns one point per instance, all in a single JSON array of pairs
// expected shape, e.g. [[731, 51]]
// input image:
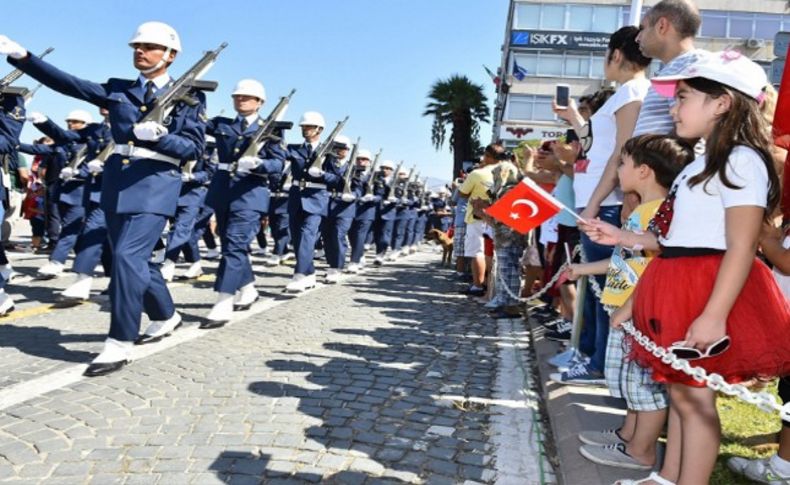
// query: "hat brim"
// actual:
[[665, 87]]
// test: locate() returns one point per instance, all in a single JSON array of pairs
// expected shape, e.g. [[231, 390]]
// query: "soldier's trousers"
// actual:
[[72, 220], [236, 230], [358, 236], [180, 235], [93, 246]]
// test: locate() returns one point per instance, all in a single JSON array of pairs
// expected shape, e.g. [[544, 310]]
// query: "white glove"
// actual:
[[35, 117], [315, 172], [187, 177], [392, 200], [404, 200], [368, 198], [95, 166], [149, 131], [347, 197], [11, 49], [67, 173], [248, 164]]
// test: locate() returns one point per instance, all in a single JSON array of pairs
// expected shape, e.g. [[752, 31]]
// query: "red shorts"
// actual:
[[488, 247]]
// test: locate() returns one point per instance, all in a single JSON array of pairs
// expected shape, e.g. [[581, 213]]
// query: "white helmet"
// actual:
[[387, 164], [312, 118], [364, 153], [80, 115], [443, 191], [343, 140], [403, 171], [250, 87], [158, 33]]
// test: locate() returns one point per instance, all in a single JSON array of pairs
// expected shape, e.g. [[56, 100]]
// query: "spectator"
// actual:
[[475, 187], [609, 128], [19, 173]]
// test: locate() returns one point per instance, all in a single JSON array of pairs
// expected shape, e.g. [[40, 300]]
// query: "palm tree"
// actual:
[[460, 102]]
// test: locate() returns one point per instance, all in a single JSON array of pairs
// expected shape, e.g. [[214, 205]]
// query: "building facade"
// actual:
[[554, 41]]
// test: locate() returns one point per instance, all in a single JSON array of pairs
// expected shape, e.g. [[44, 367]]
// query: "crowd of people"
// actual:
[[673, 183]]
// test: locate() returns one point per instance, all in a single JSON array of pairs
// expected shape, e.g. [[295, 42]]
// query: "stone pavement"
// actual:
[[389, 377]]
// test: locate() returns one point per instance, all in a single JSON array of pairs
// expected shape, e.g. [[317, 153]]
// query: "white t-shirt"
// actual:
[[604, 132], [781, 278], [699, 212]]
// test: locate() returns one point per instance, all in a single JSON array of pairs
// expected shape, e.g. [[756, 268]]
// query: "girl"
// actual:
[[707, 283]]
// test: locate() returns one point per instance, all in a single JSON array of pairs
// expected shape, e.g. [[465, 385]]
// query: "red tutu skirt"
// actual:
[[673, 292]]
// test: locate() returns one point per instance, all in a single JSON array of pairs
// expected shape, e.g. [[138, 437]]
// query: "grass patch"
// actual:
[[746, 431]]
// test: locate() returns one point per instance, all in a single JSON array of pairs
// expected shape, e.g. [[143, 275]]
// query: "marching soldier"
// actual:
[[387, 210], [441, 216], [195, 178], [239, 196], [412, 204], [279, 223], [342, 209], [401, 214], [91, 246], [141, 179], [308, 200], [365, 214], [12, 118]]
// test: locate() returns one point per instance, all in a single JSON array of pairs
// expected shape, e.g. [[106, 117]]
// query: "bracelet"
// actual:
[[637, 246]]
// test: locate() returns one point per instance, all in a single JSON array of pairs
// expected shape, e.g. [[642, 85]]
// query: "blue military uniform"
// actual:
[[401, 216], [308, 202], [190, 201], [338, 222], [438, 221], [92, 245], [385, 216], [279, 224], [12, 118], [365, 215], [239, 200], [71, 194], [140, 189]]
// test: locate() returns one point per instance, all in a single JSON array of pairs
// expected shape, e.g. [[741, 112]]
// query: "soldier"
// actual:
[[412, 203], [342, 208], [91, 245], [387, 210], [141, 179], [279, 185], [239, 196], [71, 185], [421, 224], [441, 217], [402, 204], [195, 178], [12, 118], [365, 214], [308, 200]]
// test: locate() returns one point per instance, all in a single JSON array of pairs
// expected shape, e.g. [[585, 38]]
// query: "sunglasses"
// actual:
[[690, 353]]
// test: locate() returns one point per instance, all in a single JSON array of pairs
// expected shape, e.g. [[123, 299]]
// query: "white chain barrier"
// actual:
[[765, 401]]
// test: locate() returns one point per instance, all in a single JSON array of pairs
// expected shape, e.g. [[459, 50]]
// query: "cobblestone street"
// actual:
[[388, 377]]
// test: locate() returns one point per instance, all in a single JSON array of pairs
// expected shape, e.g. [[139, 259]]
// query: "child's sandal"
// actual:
[[654, 477]]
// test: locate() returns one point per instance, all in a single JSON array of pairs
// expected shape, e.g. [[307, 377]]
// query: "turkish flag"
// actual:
[[781, 129], [524, 207]]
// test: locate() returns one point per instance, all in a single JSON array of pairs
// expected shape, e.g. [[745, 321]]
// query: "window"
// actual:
[[552, 17], [606, 19], [741, 26], [552, 64], [713, 25], [527, 16], [573, 17], [580, 17], [766, 26], [529, 108]]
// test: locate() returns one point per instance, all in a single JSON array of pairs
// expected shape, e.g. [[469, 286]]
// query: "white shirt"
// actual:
[[604, 132], [699, 212], [250, 119], [160, 81], [781, 278]]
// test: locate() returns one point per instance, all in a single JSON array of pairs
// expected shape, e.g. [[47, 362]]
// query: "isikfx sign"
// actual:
[[552, 39]]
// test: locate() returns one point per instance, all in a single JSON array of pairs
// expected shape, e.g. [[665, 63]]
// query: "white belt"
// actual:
[[311, 185], [140, 152], [223, 166]]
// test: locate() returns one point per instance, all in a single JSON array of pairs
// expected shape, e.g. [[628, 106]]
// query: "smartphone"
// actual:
[[563, 95]]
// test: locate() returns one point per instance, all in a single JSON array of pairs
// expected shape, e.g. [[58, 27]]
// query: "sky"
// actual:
[[373, 60]]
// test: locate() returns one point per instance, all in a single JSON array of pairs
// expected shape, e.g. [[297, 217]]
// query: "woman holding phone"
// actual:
[[604, 135]]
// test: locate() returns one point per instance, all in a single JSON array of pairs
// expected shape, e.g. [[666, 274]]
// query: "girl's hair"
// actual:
[[598, 98], [744, 124], [624, 40], [665, 155]]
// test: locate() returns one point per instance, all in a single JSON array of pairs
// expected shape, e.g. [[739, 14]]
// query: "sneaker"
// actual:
[[612, 455], [474, 291], [581, 375], [212, 254], [600, 438], [552, 324], [561, 332], [758, 470]]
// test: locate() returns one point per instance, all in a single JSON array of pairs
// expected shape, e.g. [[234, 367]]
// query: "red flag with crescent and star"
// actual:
[[525, 207]]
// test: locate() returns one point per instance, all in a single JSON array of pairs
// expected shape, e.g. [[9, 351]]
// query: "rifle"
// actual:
[[264, 131], [324, 147], [5, 82], [29, 95], [78, 157], [352, 160], [391, 183], [179, 90], [369, 186]]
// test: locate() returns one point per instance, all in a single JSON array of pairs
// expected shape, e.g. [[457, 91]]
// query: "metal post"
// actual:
[[636, 13]]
